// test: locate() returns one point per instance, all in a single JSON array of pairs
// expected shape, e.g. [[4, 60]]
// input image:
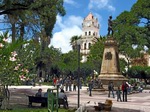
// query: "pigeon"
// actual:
[[88, 102]]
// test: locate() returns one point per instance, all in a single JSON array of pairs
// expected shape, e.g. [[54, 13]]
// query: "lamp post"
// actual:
[[126, 69], [78, 49]]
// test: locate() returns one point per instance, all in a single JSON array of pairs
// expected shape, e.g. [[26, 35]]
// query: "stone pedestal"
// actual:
[[110, 69]]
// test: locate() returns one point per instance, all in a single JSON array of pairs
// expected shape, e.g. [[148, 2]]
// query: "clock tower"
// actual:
[[90, 33]]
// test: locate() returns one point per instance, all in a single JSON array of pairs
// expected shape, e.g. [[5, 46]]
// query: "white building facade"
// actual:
[[90, 33]]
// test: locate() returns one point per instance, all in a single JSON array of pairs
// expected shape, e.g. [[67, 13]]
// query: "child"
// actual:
[[118, 92]]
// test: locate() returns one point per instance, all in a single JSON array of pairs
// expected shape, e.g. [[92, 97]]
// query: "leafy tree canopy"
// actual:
[[132, 28], [36, 15], [96, 54]]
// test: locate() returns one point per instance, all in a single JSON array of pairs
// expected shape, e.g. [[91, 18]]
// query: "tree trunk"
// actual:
[[13, 32], [21, 31], [13, 28]]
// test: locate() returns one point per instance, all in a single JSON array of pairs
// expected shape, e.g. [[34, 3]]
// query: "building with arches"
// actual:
[[90, 33]]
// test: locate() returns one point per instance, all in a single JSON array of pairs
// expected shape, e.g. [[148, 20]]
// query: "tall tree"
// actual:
[[33, 18], [36, 15], [73, 41], [96, 54], [132, 35]]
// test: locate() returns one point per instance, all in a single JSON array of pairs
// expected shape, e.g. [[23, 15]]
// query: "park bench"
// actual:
[[34, 99], [43, 101]]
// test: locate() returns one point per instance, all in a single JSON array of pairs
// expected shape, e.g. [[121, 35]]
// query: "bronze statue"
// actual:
[[110, 23]]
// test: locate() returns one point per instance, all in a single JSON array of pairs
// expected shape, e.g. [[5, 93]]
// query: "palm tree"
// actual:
[[73, 41]]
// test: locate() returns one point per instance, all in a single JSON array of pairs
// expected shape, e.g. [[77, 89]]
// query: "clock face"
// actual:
[[88, 23]]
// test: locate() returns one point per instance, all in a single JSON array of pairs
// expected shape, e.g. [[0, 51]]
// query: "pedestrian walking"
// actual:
[[111, 89], [118, 93], [74, 84], [40, 82], [124, 91], [54, 81], [58, 83], [80, 83], [70, 84], [67, 83], [90, 85]]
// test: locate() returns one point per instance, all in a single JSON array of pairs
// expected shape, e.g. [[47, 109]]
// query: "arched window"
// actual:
[[85, 33], [84, 45], [89, 45], [89, 33]]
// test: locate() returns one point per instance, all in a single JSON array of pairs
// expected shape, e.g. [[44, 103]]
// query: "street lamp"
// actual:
[[126, 69], [78, 49]]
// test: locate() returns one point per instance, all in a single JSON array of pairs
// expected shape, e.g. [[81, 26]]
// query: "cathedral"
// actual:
[[90, 33]]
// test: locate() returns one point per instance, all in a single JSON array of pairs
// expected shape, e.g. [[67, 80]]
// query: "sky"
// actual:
[[76, 10]]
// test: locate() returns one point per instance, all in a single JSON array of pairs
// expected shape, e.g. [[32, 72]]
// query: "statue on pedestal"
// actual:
[[110, 23], [110, 68]]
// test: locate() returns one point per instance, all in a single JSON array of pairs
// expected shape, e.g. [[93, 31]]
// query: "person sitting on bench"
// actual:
[[39, 93], [63, 96]]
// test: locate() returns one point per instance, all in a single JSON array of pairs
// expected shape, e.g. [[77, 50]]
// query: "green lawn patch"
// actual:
[[35, 110]]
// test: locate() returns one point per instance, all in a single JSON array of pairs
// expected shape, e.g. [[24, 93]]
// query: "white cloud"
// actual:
[[73, 20], [68, 28], [59, 22], [69, 2], [110, 7], [101, 4]]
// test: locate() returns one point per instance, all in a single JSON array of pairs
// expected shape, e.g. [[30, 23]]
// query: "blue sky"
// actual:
[[76, 10], [70, 24]]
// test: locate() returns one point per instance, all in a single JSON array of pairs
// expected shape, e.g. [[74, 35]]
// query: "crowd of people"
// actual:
[[67, 84], [70, 84]]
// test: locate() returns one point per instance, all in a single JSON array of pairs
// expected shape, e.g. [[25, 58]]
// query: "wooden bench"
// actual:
[[43, 101], [33, 99]]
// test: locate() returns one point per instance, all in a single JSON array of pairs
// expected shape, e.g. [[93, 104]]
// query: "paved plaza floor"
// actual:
[[137, 102]]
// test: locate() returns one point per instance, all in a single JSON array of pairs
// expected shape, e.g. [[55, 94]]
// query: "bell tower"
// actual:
[[90, 33]]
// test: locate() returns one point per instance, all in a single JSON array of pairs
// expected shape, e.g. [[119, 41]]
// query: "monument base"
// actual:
[[116, 78], [110, 68], [98, 89]]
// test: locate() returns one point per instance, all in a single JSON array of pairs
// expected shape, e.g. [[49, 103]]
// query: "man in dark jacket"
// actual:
[[111, 89]]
